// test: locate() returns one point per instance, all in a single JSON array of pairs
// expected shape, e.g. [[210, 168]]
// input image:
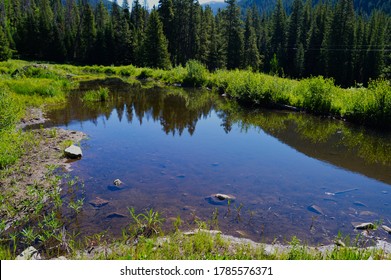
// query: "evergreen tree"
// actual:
[[375, 53], [103, 35], [278, 43], [5, 51], [166, 12], [234, 35], [137, 19], [217, 47], [205, 35], [251, 56], [294, 61], [87, 35], [155, 44], [341, 43]]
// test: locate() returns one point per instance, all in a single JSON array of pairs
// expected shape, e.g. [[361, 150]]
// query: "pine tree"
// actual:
[[137, 19], [217, 47], [251, 56], [278, 42], [341, 43], [205, 35], [101, 52], [294, 64], [166, 12], [155, 44], [234, 35], [87, 35], [375, 53], [5, 51]]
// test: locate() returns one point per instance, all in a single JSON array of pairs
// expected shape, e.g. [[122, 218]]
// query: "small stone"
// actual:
[[181, 176], [115, 215], [340, 243], [358, 225], [215, 164], [221, 196], [384, 192], [99, 202], [386, 228], [367, 213], [315, 209], [117, 182], [29, 254], [73, 152]]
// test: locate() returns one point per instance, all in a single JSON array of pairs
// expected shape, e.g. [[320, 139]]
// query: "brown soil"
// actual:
[[28, 184]]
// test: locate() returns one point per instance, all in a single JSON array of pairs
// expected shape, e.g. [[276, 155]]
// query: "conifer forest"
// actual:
[[295, 39]]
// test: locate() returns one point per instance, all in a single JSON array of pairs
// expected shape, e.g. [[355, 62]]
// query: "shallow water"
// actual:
[[173, 149]]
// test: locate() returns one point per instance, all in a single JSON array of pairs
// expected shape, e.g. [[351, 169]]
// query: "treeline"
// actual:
[[361, 6], [322, 39]]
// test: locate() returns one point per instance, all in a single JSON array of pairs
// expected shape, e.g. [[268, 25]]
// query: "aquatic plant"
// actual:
[[146, 224], [100, 95]]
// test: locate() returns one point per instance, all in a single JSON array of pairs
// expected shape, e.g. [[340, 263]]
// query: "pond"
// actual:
[[291, 174]]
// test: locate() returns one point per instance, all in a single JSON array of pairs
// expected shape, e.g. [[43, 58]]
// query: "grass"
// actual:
[[23, 84], [100, 95]]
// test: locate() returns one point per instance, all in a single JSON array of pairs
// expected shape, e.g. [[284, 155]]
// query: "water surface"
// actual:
[[174, 148]]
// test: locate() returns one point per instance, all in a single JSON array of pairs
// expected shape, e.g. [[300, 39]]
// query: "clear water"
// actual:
[[173, 149]]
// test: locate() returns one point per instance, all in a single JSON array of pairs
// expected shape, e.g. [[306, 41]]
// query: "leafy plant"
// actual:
[[146, 224]]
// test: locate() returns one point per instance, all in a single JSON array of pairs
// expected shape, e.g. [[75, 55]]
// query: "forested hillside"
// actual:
[[363, 6], [322, 39]]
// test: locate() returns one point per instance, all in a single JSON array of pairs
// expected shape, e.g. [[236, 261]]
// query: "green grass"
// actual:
[[100, 95]]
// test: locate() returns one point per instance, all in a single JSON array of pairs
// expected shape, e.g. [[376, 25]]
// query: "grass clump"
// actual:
[[100, 95]]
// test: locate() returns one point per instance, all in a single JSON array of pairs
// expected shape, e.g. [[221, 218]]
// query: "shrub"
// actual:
[[317, 94], [196, 74]]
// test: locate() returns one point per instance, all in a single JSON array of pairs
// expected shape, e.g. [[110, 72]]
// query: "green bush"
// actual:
[[197, 74], [146, 73], [317, 94]]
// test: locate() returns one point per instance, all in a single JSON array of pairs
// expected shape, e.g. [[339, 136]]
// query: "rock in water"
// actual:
[[99, 202], [358, 225], [73, 152], [315, 209], [117, 182], [387, 229], [221, 196], [29, 254], [115, 215], [220, 199]]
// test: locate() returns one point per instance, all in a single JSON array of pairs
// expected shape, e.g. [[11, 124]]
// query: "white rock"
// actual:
[[73, 152], [29, 254]]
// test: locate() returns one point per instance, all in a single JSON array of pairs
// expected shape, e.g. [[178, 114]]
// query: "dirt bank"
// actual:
[[30, 183]]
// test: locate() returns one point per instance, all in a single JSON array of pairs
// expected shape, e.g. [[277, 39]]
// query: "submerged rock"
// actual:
[[99, 202], [115, 215], [221, 196], [220, 199], [73, 152], [358, 225], [358, 203], [315, 209], [367, 213], [29, 254], [386, 228], [115, 188]]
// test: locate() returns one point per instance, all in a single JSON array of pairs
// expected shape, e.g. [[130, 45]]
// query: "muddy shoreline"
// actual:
[[31, 180]]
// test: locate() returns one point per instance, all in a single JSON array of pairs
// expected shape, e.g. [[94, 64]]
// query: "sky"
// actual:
[[155, 2]]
